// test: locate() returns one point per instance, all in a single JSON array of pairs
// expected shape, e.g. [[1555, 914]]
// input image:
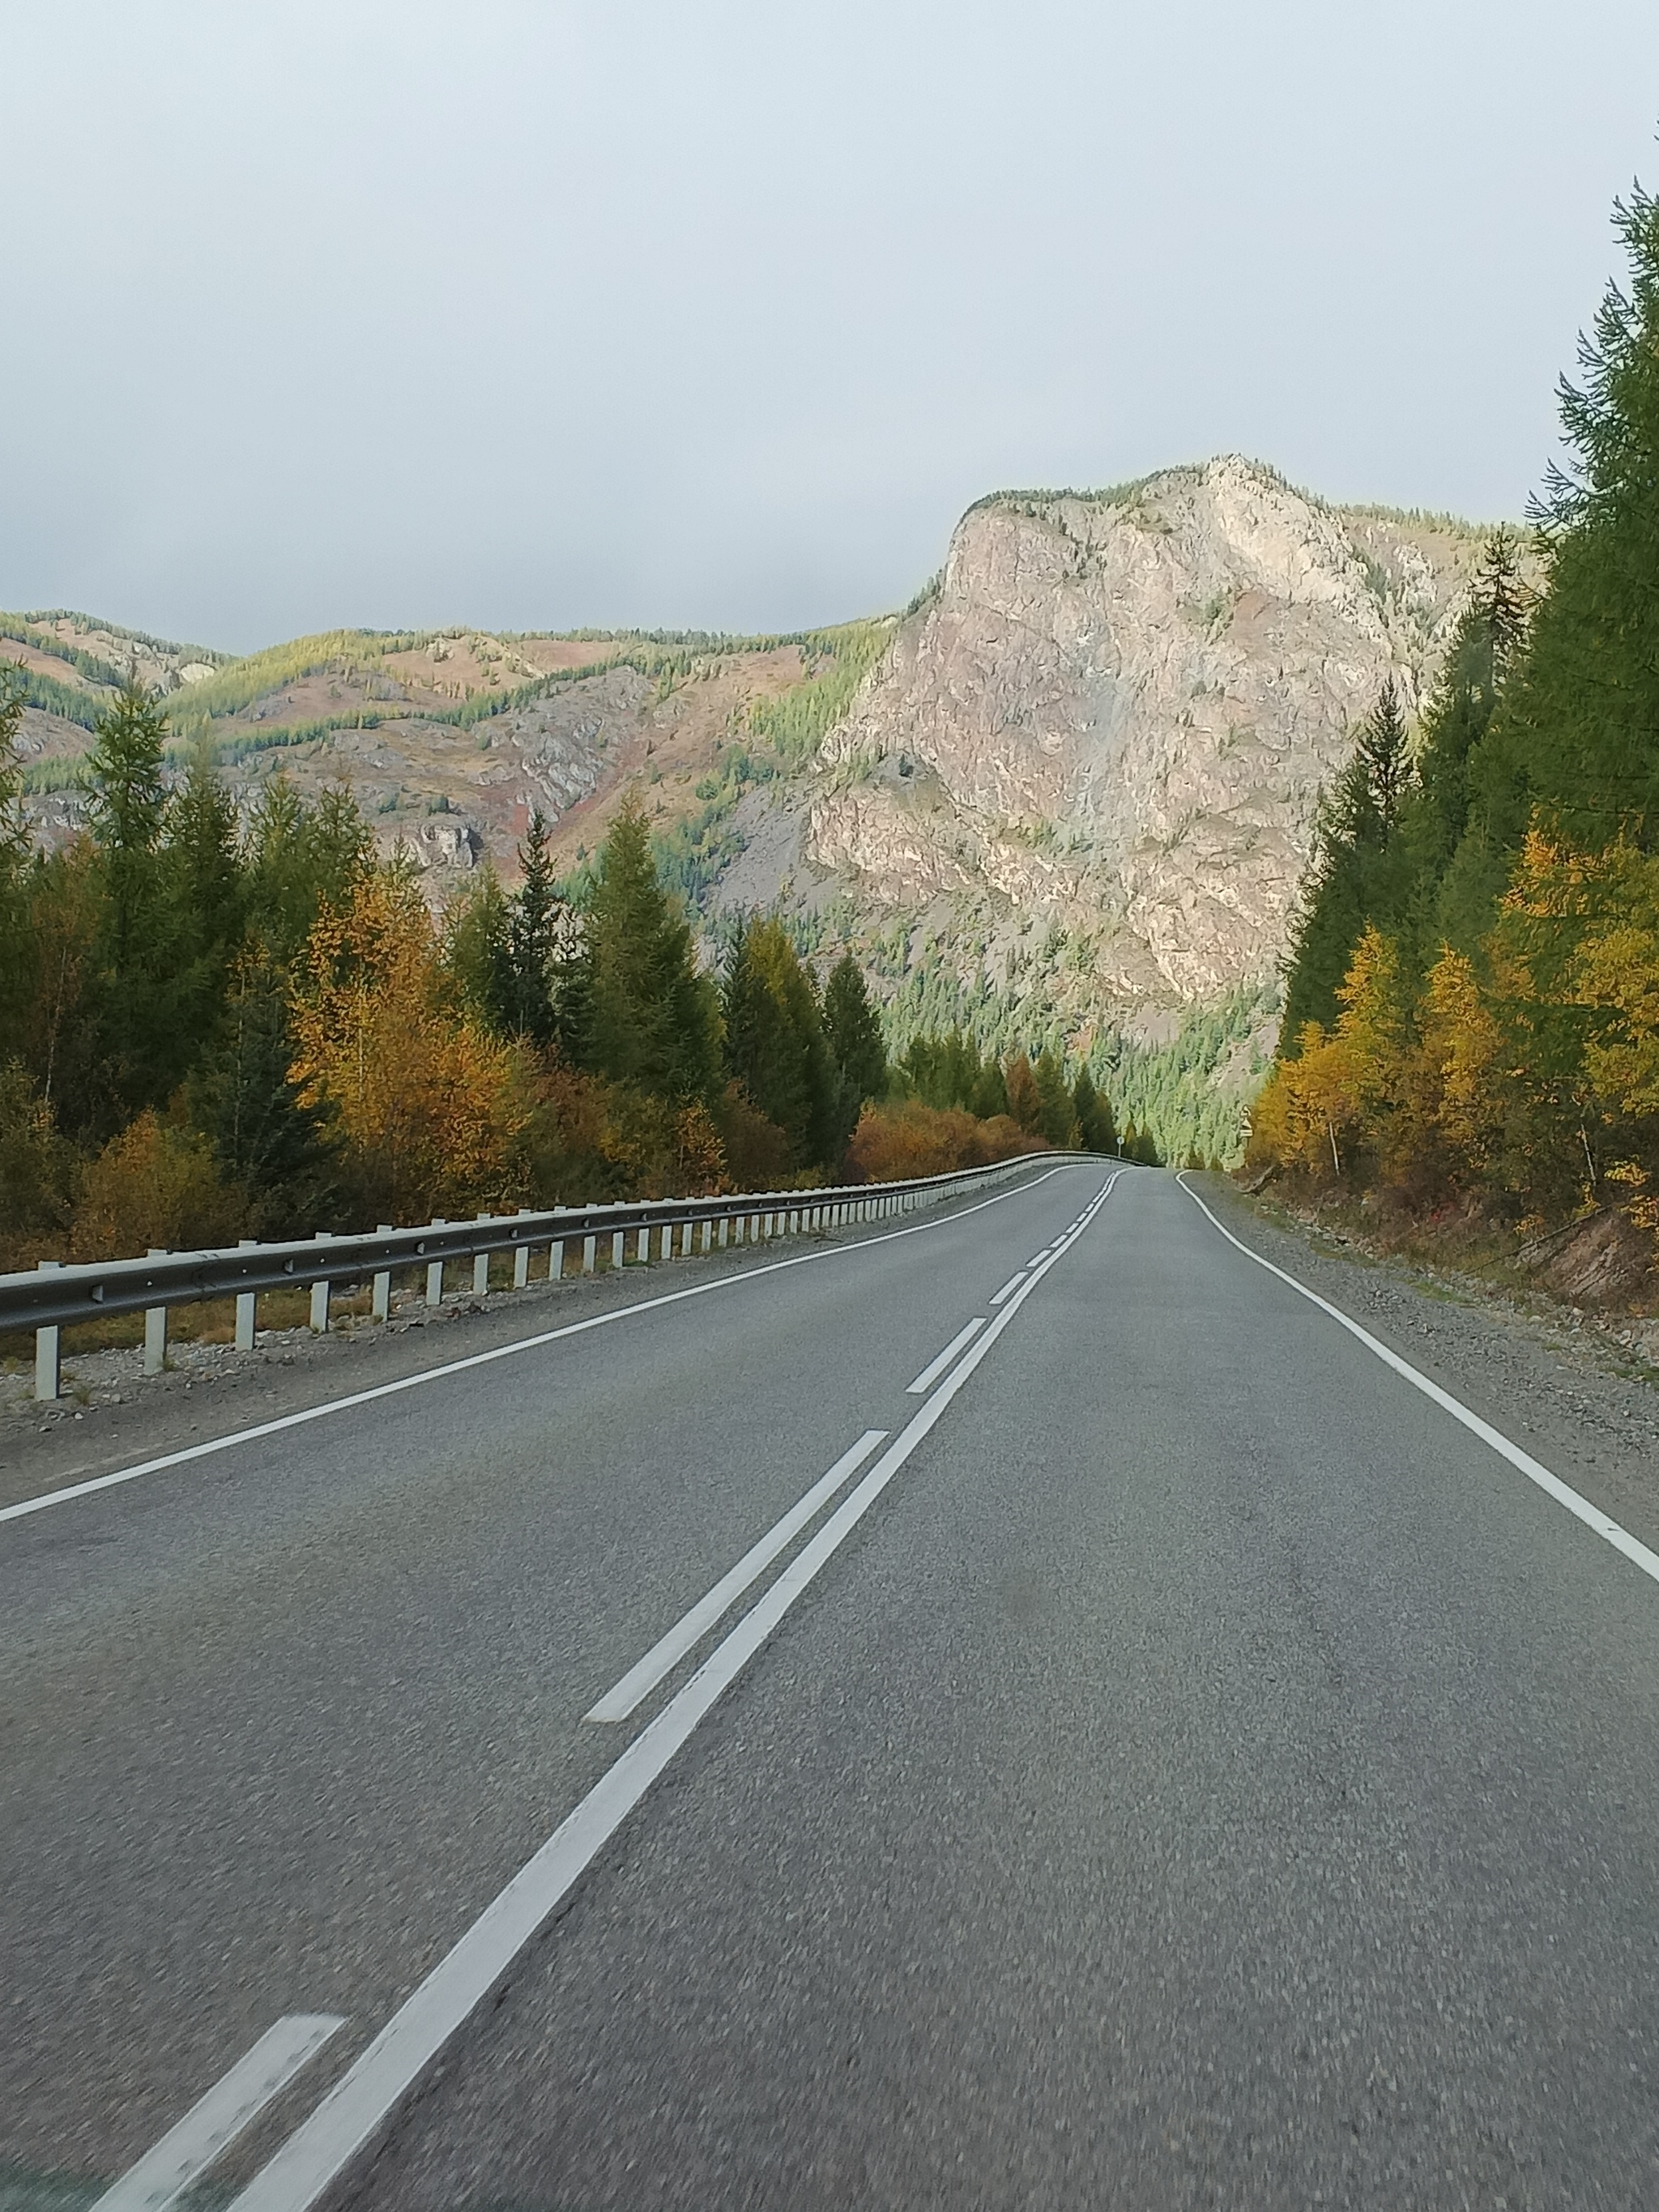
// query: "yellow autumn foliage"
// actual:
[[430, 1105]]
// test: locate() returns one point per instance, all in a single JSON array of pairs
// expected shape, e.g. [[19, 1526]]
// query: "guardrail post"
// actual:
[[382, 1292], [156, 1326], [435, 1271], [667, 1252], [521, 1261], [642, 1247], [722, 1233], [708, 1236], [248, 1304], [481, 1266], [618, 1244], [48, 1368], [319, 1292], [590, 1254]]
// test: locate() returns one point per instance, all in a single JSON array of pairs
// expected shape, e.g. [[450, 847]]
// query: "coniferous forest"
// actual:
[[217, 1027], [1471, 1011]]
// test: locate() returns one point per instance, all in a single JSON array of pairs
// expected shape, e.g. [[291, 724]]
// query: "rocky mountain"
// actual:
[[1069, 793], [1112, 722]]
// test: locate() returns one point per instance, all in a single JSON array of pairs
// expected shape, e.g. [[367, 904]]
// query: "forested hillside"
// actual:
[[219, 1024], [1473, 1003]]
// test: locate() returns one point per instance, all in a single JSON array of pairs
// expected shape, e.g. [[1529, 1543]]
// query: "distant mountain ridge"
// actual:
[[1067, 795]]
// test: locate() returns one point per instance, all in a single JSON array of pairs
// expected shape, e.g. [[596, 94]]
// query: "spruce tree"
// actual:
[[989, 1096], [1362, 870], [1581, 722], [1055, 1120], [532, 937], [124, 805], [853, 1029], [141, 992], [206, 867], [1384, 759], [282, 1153], [651, 1019], [1094, 1132], [776, 1046], [478, 927]]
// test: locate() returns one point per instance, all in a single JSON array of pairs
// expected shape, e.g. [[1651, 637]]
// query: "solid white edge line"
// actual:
[[937, 1365], [71, 1490], [665, 1654], [1534, 1470], [216, 2120], [1011, 1286], [366, 2096]]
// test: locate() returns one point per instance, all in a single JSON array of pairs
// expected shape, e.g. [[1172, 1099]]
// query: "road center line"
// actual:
[[1534, 1470], [937, 1365], [664, 1655], [211, 1444], [216, 2120], [368, 2094], [1011, 1286]]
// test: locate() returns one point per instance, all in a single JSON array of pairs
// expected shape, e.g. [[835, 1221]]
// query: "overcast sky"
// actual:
[[536, 315]]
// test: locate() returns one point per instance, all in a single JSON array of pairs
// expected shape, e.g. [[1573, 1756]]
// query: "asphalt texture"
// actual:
[[1208, 1775]]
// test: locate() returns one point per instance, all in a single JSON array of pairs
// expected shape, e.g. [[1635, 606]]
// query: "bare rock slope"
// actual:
[[1114, 720], [1073, 795]]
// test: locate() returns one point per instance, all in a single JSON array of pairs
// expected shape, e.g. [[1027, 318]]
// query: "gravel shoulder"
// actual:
[[1556, 1382]]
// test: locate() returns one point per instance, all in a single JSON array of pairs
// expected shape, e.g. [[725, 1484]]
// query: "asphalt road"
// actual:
[[1205, 1774]]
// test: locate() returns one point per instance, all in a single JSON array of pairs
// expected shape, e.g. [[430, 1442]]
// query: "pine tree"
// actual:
[[205, 863], [989, 1096], [776, 1046], [1384, 759], [651, 1019], [1093, 1114], [476, 951], [1582, 722], [534, 928], [300, 859], [124, 805], [1361, 872], [282, 1153], [1055, 1120], [854, 1032]]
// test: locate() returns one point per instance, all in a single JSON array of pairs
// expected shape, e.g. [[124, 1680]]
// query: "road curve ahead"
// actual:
[[1027, 1711]]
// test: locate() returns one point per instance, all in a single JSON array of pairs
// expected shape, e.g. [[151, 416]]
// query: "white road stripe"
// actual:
[[71, 1490], [663, 1656], [1011, 1285], [937, 1365], [164, 2173], [1534, 1470], [366, 2097], [1040, 1258]]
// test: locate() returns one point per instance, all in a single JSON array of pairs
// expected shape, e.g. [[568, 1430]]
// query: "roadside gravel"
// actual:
[[1560, 1385]]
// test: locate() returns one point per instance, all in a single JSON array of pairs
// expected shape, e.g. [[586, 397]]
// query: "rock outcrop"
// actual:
[[1116, 715]]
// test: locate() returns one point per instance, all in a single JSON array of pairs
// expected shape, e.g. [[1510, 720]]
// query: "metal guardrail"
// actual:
[[53, 1296]]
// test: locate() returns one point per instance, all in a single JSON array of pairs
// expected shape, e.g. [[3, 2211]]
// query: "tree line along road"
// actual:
[[1027, 1710]]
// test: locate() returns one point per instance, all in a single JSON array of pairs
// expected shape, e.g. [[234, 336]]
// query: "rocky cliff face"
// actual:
[[1114, 720], [1074, 794]]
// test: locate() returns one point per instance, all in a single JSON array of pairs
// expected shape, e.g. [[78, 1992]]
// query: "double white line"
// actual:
[[366, 2097]]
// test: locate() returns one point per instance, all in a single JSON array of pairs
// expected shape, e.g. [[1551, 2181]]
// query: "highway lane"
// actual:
[[275, 1724], [1209, 1777]]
